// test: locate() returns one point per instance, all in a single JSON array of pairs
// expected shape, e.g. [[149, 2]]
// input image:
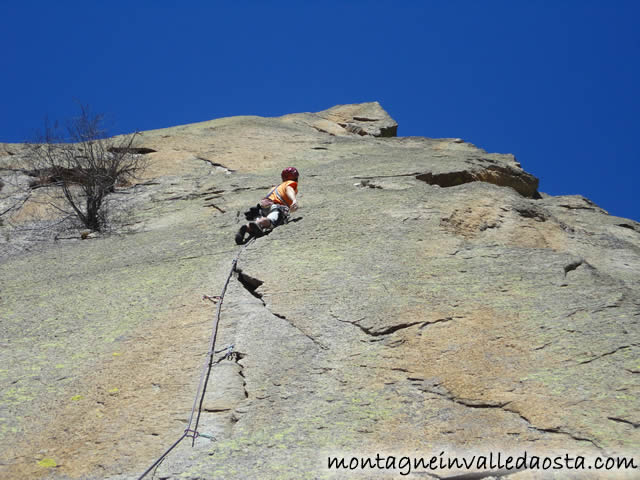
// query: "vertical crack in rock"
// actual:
[[319, 344], [251, 284], [235, 358], [241, 373]]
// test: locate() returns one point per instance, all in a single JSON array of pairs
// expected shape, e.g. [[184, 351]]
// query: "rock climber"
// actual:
[[274, 209]]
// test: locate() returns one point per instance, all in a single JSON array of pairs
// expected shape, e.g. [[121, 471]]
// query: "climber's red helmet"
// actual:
[[290, 173]]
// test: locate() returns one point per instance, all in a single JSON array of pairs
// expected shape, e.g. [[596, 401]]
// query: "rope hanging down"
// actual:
[[206, 371]]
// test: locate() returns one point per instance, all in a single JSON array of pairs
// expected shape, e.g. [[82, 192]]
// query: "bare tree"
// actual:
[[85, 164]]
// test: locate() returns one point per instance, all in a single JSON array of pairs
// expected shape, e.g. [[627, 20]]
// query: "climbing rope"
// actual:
[[206, 370]]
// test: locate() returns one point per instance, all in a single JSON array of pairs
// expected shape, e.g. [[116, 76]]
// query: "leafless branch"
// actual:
[[16, 205], [86, 164]]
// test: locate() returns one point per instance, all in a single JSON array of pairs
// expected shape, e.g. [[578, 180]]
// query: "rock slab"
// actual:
[[427, 298]]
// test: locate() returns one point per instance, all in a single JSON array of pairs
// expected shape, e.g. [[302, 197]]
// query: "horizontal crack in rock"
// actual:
[[576, 207], [541, 346], [522, 182], [604, 354], [622, 420], [481, 475], [194, 195], [365, 119], [499, 406], [215, 164], [561, 432], [626, 225], [440, 320], [377, 333], [242, 189], [389, 330], [386, 176], [133, 150], [529, 212], [572, 266], [465, 402]]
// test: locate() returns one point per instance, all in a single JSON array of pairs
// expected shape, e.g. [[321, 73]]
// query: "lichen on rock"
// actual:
[[427, 298]]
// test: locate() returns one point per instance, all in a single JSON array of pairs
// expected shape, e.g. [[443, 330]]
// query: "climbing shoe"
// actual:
[[255, 230], [240, 235]]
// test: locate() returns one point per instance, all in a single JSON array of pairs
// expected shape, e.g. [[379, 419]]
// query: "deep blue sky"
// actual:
[[553, 82]]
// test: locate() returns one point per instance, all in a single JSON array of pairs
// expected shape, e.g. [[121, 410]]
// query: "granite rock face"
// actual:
[[427, 298]]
